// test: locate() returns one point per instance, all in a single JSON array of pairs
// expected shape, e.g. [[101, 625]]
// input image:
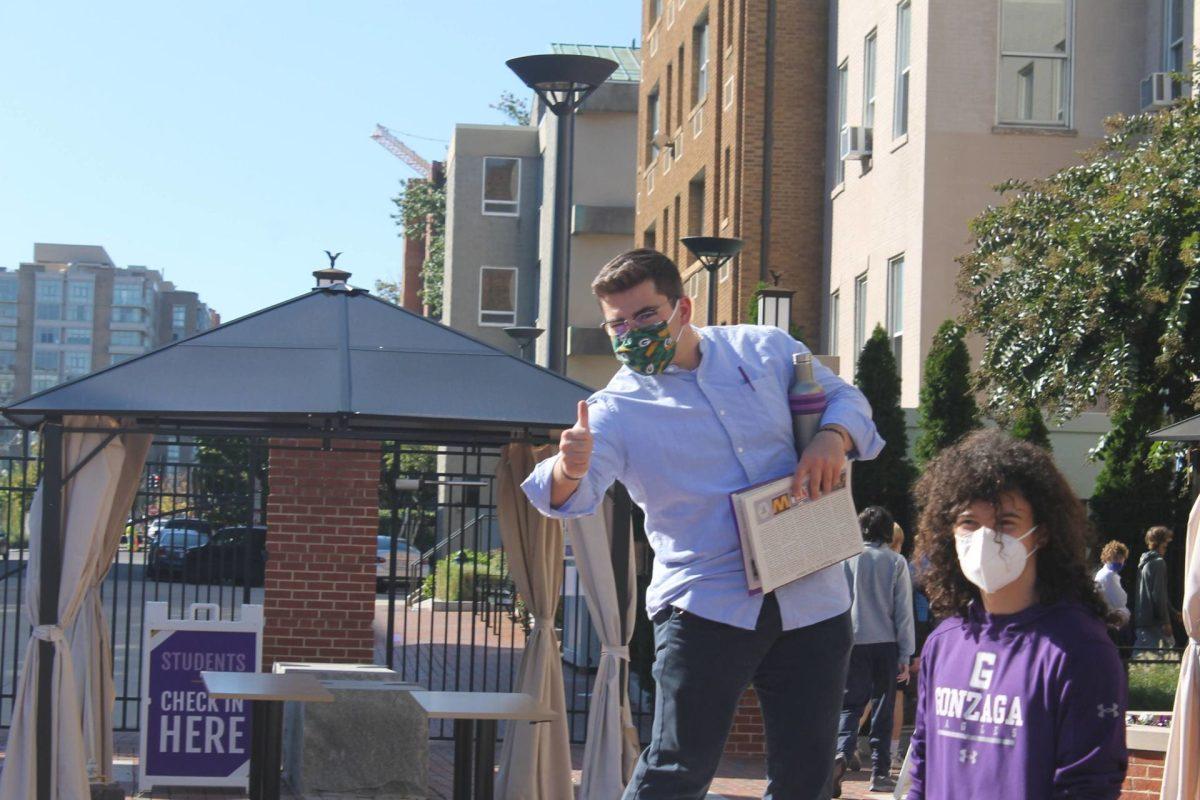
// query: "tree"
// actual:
[[1084, 285], [232, 471], [884, 480], [947, 408], [1028, 424], [515, 109], [419, 205]]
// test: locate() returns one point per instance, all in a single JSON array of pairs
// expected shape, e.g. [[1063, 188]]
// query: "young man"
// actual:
[[883, 643], [693, 415], [1152, 611]]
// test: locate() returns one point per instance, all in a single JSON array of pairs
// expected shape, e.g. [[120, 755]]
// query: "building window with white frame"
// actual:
[[79, 336], [1173, 50], [8, 333], [78, 363], [125, 339], [860, 315], [127, 294], [895, 306], [497, 296], [43, 335], [843, 86], [79, 291], [903, 69], [653, 126], [835, 301], [700, 65], [46, 361], [1035, 63], [501, 186], [869, 51], [41, 383]]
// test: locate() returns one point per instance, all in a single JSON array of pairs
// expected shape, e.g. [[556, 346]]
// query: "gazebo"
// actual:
[[333, 363]]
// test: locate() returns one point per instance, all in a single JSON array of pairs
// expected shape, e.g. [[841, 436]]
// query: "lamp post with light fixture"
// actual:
[[713, 252]]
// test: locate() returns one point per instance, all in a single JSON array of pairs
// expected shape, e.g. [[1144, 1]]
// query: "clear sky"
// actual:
[[226, 143]]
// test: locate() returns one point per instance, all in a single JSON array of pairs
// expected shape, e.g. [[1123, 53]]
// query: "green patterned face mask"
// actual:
[[647, 351]]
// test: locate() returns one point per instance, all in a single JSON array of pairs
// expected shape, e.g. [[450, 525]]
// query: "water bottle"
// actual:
[[806, 399]]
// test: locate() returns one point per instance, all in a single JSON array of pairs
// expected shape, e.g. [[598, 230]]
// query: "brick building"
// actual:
[[731, 135]]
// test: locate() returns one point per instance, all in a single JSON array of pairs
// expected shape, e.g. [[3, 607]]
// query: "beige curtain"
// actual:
[[611, 750], [535, 761], [95, 504], [1181, 773]]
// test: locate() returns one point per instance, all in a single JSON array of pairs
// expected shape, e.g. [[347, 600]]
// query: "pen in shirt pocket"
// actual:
[[746, 378]]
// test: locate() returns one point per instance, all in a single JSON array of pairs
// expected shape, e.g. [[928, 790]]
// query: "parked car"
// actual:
[[237, 554], [157, 526], [409, 567], [167, 554]]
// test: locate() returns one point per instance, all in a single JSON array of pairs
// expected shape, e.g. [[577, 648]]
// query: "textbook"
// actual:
[[784, 538]]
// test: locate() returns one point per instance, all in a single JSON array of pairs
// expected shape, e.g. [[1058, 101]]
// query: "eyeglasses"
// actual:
[[643, 319]]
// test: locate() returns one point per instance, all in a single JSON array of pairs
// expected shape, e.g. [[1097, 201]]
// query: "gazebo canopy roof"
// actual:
[[333, 362], [1186, 431]]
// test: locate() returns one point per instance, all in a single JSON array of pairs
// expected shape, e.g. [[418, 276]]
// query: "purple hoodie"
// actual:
[[1020, 707]]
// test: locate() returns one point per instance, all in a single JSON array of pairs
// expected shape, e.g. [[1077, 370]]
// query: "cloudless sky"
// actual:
[[226, 143]]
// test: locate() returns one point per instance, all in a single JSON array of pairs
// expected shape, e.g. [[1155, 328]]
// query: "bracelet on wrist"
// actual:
[[568, 475]]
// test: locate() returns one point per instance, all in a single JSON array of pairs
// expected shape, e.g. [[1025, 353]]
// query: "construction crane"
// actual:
[[402, 151]]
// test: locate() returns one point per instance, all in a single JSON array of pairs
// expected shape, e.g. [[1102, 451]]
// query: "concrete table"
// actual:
[[266, 693], [475, 716]]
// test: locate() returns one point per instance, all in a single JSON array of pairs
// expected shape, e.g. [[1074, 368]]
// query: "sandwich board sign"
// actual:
[[188, 738]]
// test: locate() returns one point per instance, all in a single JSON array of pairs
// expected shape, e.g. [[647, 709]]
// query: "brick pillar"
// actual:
[[748, 737], [322, 518], [1143, 781]]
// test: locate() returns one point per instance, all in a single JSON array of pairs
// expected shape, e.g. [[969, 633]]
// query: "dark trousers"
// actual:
[[871, 678], [702, 667]]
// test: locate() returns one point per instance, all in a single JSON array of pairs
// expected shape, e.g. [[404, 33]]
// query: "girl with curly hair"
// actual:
[[1021, 692]]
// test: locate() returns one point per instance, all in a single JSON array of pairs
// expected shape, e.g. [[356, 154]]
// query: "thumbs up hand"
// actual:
[[575, 447]]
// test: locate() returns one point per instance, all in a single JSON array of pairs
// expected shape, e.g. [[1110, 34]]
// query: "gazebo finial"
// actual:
[[331, 275]]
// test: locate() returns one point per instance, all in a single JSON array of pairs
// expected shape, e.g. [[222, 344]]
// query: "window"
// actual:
[[903, 68], [79, 336], [497, 296], [895, 306], [46, 335], [120, 314], [726, 182], [48, 310], [696, 205], [1035, 63], [79, 291], [679, 87], [678, 228], [700, 62], [46, 360], [8, 333], [179, 318], [727, 93], [117, 358], [43, 382], [653, 123], [126, 339], [869, 49], [649, 240], [656, 10], [835, 300], [860, 315], [1173, 60], [670, 83], [49, 289], [8, 310], [7, 384], [843, 83], [693, 286], [127, 294], [78, 363], [8, 360], [79, 313], [501, 186], [9, 290]]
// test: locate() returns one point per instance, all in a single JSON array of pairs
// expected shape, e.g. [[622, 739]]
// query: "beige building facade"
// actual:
[[957, 96]]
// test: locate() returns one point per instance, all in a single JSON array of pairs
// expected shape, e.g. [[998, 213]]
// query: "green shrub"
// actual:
[[463, 576], [1152, 686]]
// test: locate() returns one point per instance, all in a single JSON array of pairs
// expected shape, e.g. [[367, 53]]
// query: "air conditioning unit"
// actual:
[[1159, 90], [855, 144]]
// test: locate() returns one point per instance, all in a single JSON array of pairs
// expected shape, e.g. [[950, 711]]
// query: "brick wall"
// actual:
[[748, 737], [1144, 778], [322, 518]]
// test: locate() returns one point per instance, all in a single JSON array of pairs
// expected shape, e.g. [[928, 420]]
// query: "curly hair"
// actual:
[[1157, 536], [983, 466], [1114, 551]]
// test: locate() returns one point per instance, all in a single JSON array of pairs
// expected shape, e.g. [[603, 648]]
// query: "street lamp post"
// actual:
[[524, 336], [713, 252], [562, 82]]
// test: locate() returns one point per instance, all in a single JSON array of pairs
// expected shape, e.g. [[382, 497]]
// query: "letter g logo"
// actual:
[[981, 675]]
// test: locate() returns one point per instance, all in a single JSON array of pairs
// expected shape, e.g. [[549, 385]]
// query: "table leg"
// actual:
[[463, 731], [485, 759], [257, 729], [272, 749]]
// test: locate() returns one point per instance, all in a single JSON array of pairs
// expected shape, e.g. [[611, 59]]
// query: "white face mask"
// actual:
[[991, 561]]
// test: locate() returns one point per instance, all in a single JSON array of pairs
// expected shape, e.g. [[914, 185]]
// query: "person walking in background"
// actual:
[[883, 642], [1022, 695], [1108, 579], [1152, 610]]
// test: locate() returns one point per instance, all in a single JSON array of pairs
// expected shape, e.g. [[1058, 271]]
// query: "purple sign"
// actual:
[[187, 732]]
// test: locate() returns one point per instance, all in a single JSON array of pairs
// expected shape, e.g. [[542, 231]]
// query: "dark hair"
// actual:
[[638, 266], [877, 524], [983, 466], [1158, 535]]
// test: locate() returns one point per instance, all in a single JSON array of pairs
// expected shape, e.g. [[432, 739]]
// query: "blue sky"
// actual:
[[226, 143]]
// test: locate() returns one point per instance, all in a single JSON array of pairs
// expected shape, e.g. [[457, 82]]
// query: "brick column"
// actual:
[[322, 518], [1143, 781], [748, 737]]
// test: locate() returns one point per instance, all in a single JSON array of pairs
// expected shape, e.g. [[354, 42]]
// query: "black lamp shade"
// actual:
[[562, 80], [713, 251]]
